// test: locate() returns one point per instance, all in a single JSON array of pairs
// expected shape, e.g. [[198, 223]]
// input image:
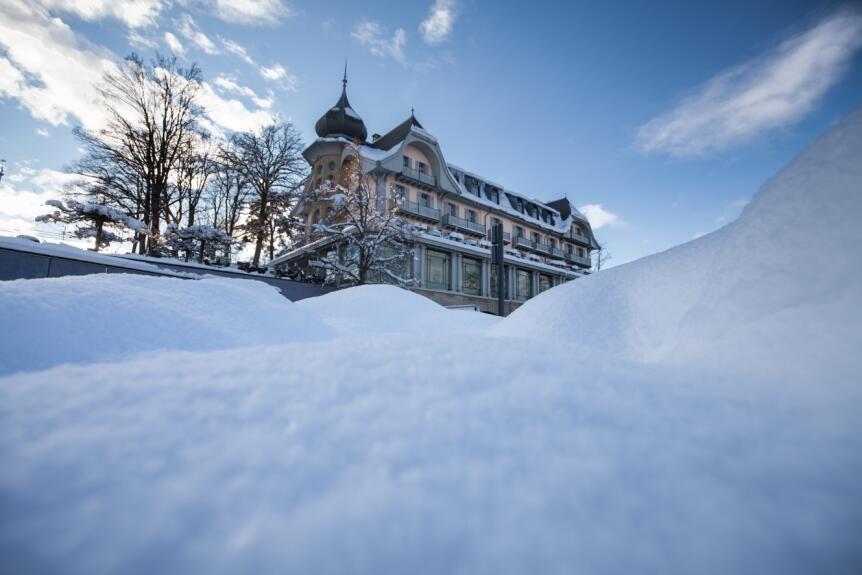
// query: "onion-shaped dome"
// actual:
[[341, 119]]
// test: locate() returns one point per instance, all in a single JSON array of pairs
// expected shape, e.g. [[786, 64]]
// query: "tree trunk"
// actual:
[[201, 253], [261, 229], [99, 224]]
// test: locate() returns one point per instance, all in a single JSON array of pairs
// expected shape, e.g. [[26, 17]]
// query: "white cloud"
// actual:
[[251, 11], [774, 90], [22, 203], [237, 50], [188, 29], [280, 75], [138, 40], [174, 44], [371, 35], [133, 13], [437, 26], [232, 114], [229, 85], [599, 217], [43, 132], [47, 68]]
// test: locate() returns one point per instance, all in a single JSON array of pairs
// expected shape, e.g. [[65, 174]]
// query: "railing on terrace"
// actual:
[[507, 237], [418, 210], [584, 240], [418, 176], [557, 252], [581, 260], [464, 225], [542, 248], [522, 242]]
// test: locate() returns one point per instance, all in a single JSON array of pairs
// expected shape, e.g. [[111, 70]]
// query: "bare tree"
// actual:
[[228, 193], [194, 170], [273, 166], [153, 116], [372, 245]]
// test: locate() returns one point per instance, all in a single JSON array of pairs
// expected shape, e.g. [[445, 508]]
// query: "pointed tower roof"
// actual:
[[341, 119]]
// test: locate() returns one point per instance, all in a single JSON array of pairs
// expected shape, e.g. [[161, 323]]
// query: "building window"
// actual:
[[437, 264], [493, 194], [471, 276], [331, 166], [569, 249], [519, 232], [494, 281], [537, 238], [552, 243], [544, 282], [406, 161], [452, 210], [523, 285], [471, 216], [425, 200], [582, 253], [315, 217], [421, 168], [401, 192], [330, 178]]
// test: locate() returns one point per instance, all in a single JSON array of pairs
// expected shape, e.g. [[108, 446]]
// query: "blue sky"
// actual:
[[663, 118]]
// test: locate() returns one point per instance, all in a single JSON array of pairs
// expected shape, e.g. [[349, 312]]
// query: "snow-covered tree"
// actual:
[[271, 162], [93, 220], [372, 245], [204, 241]]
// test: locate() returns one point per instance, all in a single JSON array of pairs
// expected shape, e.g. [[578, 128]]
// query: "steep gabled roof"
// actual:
[[397, 134]]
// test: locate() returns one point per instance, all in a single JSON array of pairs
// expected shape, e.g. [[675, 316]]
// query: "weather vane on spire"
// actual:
[[344, 81]]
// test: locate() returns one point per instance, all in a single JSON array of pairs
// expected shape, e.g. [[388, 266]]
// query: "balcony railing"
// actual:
[[463, 225], [580, 260], [419, 177], [578, 238], [507, 238], [541, 247], [522, 242], [419, 211], [556, 252]]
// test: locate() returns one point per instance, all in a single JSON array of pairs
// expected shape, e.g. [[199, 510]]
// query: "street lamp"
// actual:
[[2, 169]]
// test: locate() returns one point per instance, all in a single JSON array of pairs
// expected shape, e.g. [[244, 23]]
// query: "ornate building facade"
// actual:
[[547, 243]]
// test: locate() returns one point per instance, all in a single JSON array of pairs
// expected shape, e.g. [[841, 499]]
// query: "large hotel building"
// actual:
[[547, 243]]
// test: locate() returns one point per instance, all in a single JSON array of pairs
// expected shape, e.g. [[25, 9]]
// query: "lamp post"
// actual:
[[2, 169]]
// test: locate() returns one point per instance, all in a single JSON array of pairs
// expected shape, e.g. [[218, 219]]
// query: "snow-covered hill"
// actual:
[[693, 412]]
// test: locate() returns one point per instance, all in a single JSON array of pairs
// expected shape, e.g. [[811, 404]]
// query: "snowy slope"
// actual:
[[381, 309], [785, 277], [81, 319], [544, 444]]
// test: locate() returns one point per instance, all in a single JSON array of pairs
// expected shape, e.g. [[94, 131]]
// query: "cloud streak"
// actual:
[[438, 25], [599, 217], [774, 90], [371, 35]]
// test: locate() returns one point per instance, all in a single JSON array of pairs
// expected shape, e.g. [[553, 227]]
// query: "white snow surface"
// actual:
[[105, 317], [697, 411], [382, 309]]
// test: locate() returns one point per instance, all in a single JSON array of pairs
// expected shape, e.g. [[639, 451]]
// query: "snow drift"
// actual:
[[462, 452], [81, 319], [382, 309], [781, 284]]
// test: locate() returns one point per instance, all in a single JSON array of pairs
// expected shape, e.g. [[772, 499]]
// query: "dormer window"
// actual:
[[421, 168], [405, 161]]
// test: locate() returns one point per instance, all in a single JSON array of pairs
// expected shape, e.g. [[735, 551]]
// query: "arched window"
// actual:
[[331, 166], [315, 217]]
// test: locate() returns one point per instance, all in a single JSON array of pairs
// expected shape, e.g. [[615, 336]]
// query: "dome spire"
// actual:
[[341, 119]]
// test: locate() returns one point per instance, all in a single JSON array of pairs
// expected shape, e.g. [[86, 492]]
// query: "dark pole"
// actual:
[[497, 257], [2, 169]]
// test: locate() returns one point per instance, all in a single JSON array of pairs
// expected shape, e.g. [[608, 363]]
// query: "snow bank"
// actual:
[[423, 455], [81, 319], [382, 309], [784, 282], [461, 452]]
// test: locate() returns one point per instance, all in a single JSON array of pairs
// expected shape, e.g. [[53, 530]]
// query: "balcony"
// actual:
[[578, 238], [418, 211], [416, 177], [507, 238], [463, 225], [557, 253], [541, 248], [580, 260], [522, 242]]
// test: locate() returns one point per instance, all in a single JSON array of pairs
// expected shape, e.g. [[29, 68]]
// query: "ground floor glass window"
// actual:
[[544, 283], [522, 285], [437, 269], [471, 276]]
